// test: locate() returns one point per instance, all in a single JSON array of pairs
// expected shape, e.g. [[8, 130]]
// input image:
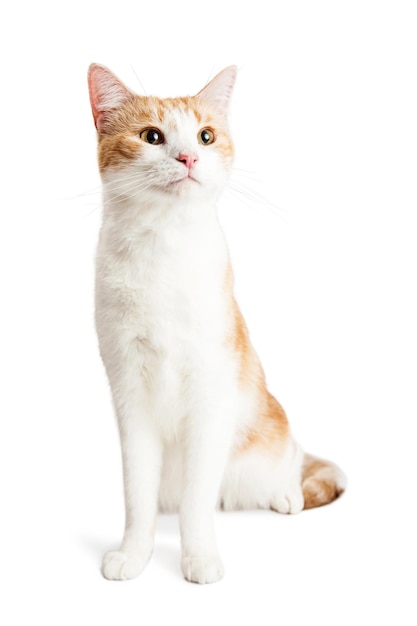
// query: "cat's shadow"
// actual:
[[167, 543], [167, 551]]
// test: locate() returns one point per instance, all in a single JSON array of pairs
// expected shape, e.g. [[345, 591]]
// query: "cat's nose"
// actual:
[[189, 159]]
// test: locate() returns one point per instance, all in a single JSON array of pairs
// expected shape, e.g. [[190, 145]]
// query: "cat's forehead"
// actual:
[[171, 113]]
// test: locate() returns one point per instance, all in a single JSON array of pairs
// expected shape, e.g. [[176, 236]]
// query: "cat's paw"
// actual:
[[202, 569], [290, 502], [118, 565]]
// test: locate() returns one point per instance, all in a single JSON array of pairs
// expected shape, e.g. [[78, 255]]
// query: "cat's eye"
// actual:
[[152, 136], [206, 136]]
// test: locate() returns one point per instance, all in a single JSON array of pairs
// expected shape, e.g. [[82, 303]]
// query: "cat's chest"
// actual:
[[165, 287]]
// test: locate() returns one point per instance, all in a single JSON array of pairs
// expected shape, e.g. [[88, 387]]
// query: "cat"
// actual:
[[198, 427]]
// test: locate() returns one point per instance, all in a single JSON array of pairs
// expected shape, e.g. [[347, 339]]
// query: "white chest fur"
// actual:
[[161, 310]]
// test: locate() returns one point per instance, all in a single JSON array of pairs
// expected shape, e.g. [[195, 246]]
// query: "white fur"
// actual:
[[162, 321]]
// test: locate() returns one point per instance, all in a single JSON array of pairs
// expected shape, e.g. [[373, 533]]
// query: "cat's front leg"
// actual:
[[209, 437], [142, 460]]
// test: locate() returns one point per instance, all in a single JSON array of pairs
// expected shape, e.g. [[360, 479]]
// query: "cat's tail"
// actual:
[[322, 482]]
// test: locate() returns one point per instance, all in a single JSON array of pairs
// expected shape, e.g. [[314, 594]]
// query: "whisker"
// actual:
[[138, 79], [88, 192], [246, 173], [132, 177], [127, 182], [96, 207], [127, 177], [111, 186], [122, 186], [238, 190], [133, 191], [232, 193]]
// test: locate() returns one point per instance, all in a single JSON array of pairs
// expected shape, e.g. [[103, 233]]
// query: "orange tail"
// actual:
[[322, 482]]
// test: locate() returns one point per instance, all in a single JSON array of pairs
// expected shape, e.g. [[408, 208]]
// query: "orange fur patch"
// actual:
[[270, 429], [320, 482], [249, 365]]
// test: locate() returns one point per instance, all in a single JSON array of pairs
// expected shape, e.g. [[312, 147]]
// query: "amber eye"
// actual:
[[206, 136], [152, 136]]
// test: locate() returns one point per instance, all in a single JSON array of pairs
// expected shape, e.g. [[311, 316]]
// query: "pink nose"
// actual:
[[189, 160]]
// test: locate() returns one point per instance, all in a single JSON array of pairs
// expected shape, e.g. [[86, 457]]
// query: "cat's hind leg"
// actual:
[[286, 483], [257, 479], [286, 487]]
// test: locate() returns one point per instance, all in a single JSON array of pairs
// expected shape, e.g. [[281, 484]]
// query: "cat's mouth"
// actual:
[[183, 181]]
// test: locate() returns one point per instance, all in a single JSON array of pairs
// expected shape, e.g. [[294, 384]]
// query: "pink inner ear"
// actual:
[[219, 89], [107, 93]]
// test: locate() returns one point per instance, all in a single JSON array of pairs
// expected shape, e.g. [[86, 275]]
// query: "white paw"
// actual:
[[202, 569], [119, 565], [289, 502]]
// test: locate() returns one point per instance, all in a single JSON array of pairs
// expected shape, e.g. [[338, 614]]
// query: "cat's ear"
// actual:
[[219, 90], [107, 93]]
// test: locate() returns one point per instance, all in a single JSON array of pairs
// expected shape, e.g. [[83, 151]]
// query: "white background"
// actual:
[[324, 118]]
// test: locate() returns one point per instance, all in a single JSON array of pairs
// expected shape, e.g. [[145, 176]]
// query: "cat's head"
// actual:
[[174, 147]]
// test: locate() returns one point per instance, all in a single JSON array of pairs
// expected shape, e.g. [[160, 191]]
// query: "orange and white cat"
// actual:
[[198, 427]]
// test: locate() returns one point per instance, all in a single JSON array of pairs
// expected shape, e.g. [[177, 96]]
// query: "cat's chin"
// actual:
[[184, 180], [182, 186]]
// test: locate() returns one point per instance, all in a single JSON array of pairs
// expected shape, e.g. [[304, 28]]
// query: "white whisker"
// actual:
[[232, 193], [89, 192], [246, 173], [138, 79], [132, 191], [254, 198], [96, 207]]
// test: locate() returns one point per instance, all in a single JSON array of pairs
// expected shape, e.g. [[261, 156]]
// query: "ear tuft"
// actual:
[[107, 93], [219, 90]]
